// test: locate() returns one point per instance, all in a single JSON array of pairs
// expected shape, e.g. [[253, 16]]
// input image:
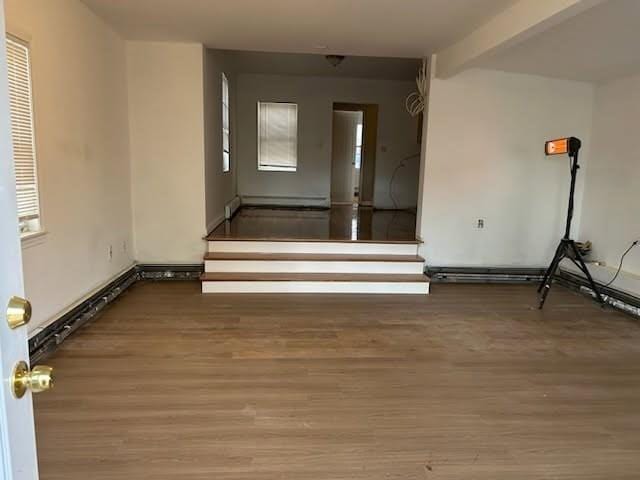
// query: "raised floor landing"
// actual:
[[339, 223]]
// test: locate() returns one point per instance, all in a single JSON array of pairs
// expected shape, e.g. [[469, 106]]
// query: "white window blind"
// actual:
[[21, 107], [226, 131], [277, 136]]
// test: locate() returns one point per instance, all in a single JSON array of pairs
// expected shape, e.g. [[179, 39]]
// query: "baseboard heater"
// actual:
[[47, 341], [285, 201], [485, 274], [617, 299], [231, 208]]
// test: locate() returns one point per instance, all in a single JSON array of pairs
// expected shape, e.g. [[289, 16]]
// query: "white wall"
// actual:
[[166, 115], [315, 96], [612, 191], [82, 142], [220, 187], [485, 160]]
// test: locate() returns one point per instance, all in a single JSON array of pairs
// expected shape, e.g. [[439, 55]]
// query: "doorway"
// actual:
[[346, 157], [353, 154]]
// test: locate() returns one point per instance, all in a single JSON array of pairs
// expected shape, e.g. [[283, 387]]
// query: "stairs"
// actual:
[[307, 266]]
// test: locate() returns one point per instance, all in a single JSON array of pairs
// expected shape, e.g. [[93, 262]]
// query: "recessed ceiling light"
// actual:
[[320, 47]]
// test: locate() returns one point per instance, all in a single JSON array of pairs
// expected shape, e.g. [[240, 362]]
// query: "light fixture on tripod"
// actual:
[[567, 248]]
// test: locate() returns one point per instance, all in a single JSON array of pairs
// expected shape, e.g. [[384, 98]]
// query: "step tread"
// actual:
[[312, 257], [311, 277]]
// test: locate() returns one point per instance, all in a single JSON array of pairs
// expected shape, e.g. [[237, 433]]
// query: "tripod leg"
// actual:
[[548, 272], [560, 254], [585, 270]]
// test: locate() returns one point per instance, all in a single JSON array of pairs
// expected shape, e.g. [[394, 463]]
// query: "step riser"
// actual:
[[282, 266], [393, 288], [335, 248]]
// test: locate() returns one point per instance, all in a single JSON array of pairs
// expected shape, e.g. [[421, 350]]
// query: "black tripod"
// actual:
[[567, 248]]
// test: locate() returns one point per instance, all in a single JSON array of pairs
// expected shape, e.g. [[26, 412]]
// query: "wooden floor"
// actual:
[[339, 223], [471, 382]]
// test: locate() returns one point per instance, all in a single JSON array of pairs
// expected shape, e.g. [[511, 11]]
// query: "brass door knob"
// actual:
[[39, 379], [18, 312]]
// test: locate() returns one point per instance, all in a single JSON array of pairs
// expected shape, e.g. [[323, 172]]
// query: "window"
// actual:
[[277, 136], [24, 150], [226, 149], [358, 159]]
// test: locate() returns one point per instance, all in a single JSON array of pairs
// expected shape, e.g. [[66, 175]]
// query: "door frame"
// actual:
[[366, 188]]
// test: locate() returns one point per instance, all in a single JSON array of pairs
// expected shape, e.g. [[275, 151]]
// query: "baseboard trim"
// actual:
[[45, 342], [616, 298], [170, 271], [287, 201], [232, 207], [485, 274]]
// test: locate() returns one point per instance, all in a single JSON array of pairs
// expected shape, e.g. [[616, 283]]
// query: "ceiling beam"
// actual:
[[520, 21]]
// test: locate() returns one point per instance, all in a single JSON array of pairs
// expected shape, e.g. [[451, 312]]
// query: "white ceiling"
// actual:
[[598, 45], [388, 28]]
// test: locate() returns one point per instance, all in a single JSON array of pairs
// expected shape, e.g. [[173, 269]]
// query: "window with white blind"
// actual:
[[226, 131], [277, 136], [24, 151]]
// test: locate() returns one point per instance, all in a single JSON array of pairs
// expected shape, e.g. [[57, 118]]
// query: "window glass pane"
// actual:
[[359, 135], [277, 136], [226, 129], [225, 162], [24, 152]]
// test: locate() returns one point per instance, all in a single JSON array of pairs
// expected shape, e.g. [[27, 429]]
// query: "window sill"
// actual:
[[33, 238], [277, 169]]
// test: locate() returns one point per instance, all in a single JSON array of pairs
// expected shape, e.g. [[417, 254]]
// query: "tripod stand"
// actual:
[[567, 248]]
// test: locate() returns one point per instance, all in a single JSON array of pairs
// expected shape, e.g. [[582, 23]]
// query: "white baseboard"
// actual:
[[286, 201], [231, 207]]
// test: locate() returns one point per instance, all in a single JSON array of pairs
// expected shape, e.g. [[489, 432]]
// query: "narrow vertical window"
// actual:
[[22, 133], [226, 131]]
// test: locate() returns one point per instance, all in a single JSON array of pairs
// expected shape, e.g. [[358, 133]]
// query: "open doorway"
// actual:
[[353, 154], [346, 157]]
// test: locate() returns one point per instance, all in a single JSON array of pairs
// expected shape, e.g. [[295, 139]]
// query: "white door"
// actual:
[[17, 437]]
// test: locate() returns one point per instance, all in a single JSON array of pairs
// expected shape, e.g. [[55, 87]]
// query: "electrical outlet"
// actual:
[[481, 223], [110, 252]]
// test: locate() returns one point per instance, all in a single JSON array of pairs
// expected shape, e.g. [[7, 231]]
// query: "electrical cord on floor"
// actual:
[[400, 165], [621, 261]]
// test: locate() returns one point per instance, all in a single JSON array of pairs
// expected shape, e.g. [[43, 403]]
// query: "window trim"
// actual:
[[276, 168], [23, 40]]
